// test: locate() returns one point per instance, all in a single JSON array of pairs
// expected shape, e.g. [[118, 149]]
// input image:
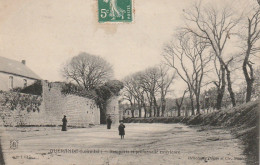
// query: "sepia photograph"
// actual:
[[129, 82]]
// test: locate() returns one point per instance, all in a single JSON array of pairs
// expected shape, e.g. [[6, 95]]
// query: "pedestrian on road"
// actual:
[[109, 122], [121, 130], [64, 125]]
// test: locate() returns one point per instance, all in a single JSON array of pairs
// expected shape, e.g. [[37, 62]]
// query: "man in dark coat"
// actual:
[[64, 125], [121, 130], [109, 122]]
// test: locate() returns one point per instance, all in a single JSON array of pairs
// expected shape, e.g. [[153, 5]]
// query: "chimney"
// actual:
[[23, 62]]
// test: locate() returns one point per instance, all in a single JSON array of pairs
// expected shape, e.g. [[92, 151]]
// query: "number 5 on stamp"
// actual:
[[115, 11]]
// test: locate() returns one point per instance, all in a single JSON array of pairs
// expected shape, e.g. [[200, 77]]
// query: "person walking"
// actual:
[[64, 125], [109, 122], [121, 129]]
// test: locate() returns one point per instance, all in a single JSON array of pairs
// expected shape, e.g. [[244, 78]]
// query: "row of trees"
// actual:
[[142, 90], [198, 55]]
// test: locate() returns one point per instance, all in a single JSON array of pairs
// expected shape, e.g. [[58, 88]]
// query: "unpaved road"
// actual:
[[152, 144]]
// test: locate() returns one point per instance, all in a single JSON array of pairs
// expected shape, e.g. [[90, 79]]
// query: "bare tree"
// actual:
[[186, 57], [220, 83], [179, 102], [139, 93], [87, 70], [216, 27], [164, 83], [130, 92], [149, 82], [146, 86], [128, 95], [251, 38]]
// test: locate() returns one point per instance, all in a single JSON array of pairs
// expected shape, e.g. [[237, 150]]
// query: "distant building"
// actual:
[[128, 113], [15, 74]]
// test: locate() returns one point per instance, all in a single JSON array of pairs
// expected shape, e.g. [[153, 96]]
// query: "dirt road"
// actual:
[[143, 144]]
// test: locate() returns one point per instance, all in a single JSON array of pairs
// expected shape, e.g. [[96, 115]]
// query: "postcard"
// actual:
[[129, 82]]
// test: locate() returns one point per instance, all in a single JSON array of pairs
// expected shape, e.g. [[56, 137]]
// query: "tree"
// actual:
[[251, 36], [186, 56], [88, 71], [220, 83], [216, 27], [139, 92], [134, 89], [127, 95], [145, 86], [164, 83], [128, 92], [104, 93], [149, 82], [179, 102]]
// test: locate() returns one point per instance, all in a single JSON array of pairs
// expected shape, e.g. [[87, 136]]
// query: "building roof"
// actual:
[[16, 68]]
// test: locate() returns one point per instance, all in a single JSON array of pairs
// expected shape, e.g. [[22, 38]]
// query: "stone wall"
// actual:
[[49, 109], [18, 109], [80, 111]]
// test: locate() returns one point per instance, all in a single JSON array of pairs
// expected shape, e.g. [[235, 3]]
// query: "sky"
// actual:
[[48, 33]]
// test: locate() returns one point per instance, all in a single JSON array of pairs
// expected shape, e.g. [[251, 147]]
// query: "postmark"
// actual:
[[115, 11], [14, 144]]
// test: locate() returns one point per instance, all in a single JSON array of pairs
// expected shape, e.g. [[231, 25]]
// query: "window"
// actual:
[[24, 82], [11, 82]]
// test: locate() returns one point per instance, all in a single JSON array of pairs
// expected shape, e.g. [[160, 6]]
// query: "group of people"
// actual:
[[121, 127]]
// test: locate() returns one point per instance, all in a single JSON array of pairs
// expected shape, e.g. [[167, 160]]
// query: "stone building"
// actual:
[[15, 74], [112, 109]]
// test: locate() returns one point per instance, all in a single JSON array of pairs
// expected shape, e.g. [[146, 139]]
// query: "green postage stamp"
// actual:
[[115, 10]]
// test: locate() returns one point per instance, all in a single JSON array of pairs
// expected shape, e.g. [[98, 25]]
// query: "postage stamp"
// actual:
[[115, 11]]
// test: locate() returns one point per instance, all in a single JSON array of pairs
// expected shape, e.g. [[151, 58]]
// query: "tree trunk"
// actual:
[[145, 110], [249, 81], [178, 107], [198, 103], [192, 104], [140, 111], [219, 99], [163, 102], [249, 89], [156, 110], [179, 111], [221, 89], [132, 109], [151, 105], [230, 90]]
